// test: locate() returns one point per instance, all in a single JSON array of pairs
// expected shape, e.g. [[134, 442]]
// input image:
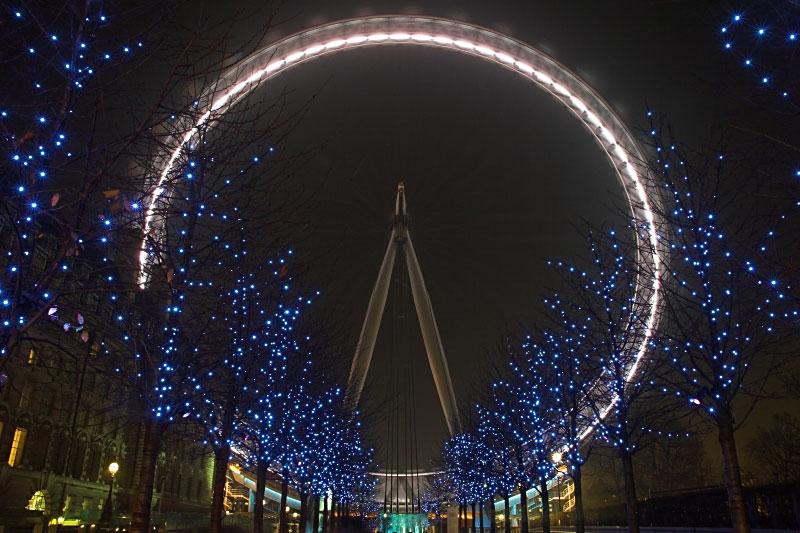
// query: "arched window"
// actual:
[[59, 459], [17, 446], [38, 501], [93, 463], [78, 457], [38, 446]]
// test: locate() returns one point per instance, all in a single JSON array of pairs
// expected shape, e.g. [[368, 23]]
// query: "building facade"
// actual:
[[62, 423]]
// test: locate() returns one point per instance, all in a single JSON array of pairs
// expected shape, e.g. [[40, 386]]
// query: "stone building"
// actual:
[[62, 422]]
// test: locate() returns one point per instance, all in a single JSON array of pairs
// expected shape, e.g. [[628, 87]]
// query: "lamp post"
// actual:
[[106, 516]]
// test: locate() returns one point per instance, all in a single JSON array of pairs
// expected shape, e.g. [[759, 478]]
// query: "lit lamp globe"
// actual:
[[113, 468]]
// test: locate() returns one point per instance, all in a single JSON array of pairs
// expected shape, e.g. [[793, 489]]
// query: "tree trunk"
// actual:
[[315, 515], [325, 514], [577, 481], [464, 514], [523, 504], [630, 491], [301, 524], [545, 506], [472, 522], [261, 483], [140, 521], [480, 516], [733, 475], [221, 456], [492, 515], [283, 518], [507, 522]]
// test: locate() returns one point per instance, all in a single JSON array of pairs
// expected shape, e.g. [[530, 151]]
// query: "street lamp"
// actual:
[[105, 517]]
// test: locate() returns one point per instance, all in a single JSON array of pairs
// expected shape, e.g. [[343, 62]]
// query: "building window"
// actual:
[[25, 395], [17, 446], [32, 357], [60, 457], [46, 402], [79, 458], [38, 501], [38, 447]]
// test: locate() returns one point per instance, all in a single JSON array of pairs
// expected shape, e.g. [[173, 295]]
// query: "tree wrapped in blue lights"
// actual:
[[572, 379], [721, 309], [301, 428], [63, 147], [203, 251], [520, 417], [601, 335], [465, 459], [97, 96], [435, 497], [327, 454], [352, 487], [537, 416], [247, 353], [495, 431]]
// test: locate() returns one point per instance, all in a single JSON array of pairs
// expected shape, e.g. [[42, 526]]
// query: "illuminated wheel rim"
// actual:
[[623, 152]]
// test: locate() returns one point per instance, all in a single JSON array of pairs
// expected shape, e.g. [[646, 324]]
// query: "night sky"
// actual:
[[499, 177]]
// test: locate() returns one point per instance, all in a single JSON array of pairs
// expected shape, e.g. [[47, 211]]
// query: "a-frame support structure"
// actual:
[[401, 239]]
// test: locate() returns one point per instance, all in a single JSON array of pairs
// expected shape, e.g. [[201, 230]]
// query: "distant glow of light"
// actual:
[[536, 67], [407, 473]]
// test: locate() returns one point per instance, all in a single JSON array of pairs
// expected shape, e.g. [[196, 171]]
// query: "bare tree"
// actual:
[[777, 446]]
